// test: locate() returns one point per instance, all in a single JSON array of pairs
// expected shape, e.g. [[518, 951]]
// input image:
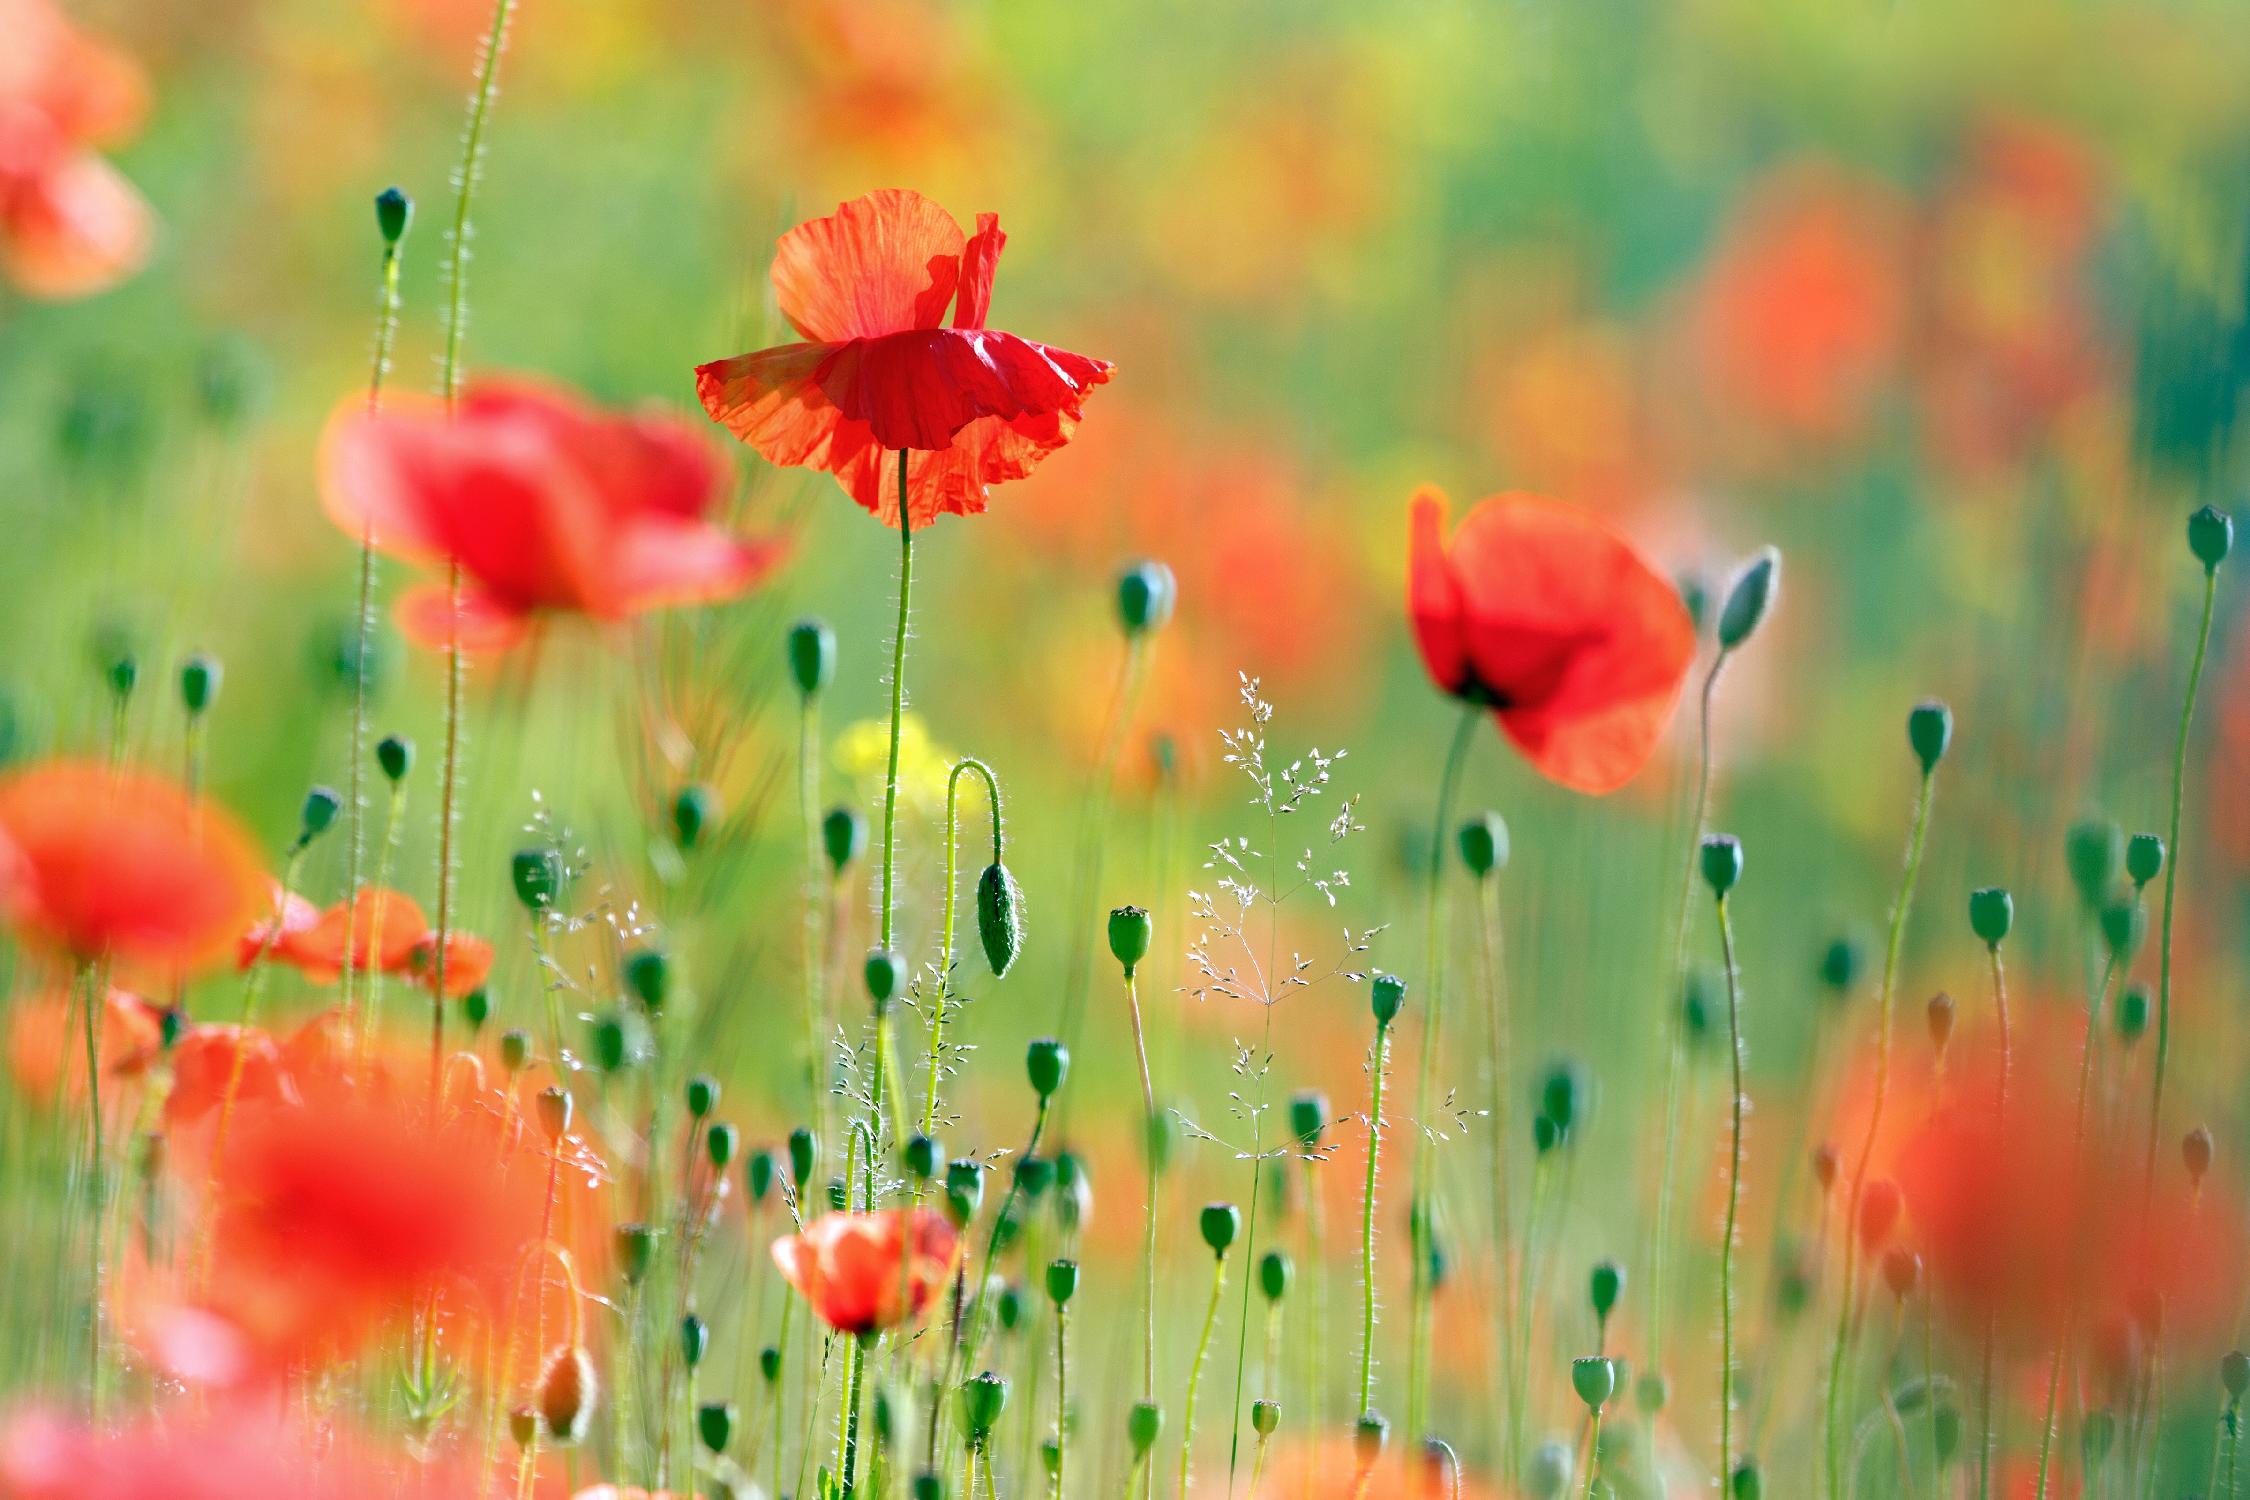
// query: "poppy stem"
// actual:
[[1367, 1219], [1195, 1370], [95, 1016], [1884, 1001], [2171, 880], [1148, 1157], [1593, 1451], [966, 765], [372, 957], [1734, 1196], [898, 701], [1062, 1397], [1093, 819], [1498, 1040], [1249, 1253], [815, 969]]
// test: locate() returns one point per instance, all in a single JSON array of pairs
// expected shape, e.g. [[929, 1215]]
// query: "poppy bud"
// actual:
[[1550, 1470], [1562, 1094], [769, 1364], [922, 1155], [2132, 1013], [1604, 1287], [1034, 1175], [395, 754], [1992, 911], [2234, 1374], [1146, 592], [1824, 1165], [538, 876], [964, 1188], [843, 833], [1143, 1424], [1650, 1393], [693, 810], [171, 1027], [1793, 1285], [983, 1398], [2210, 533], [124, 673], [927, 1485], [812, 656], [523, 1426], [199, 683], [1484, 844], [1308, 1117], [2124, 923], [695, 1340], [714, 1423], [1546, 1135], [609, 1045], [555, 1109], [1047, 1063], [476, 1006], [1929, 731], [1385, 996], [804, 1155], [999, 917], [1879, 1205], [2093, 848], [1595, 1380], [1939, 1016], [320, 809], [2144, 857], [648, 974], [2195, 1153], [394, 211], [1130, 933], [702, 1095], [1265, 1416], [1050, 1456], [515, 1049], [1746, 1483], [1370, 1434], [1219, 1223], [1062, 1281], [1722, 863], [1274, 1274], [1902, 1271], [885, 972], [636, 1251], [1749, 596], [720, 1143], [1698, 1003], [1841, 964], [758, 1175], [566, 1394]]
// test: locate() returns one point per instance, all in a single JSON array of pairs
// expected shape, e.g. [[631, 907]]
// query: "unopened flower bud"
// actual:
[[702, 1095], [555, 1110], [1047, 1063], [1062, 1281], [636, 1251], [1750, 596], [2210, 533], [999, 917], [694, 809], [1938, 1015], [714, 1423], [1992, 912], [1308, 1117], [1746, 1483], [1929, 731], [812, 656], [695, 1340], [885, 973], [1722, 863], [1219, 1223], [1274, 1274], [394, 211], [758, 1174], [922, 1154], [394, 753], [804, 1155], [1146, 592], [319, 814], [2093, 848], [515, 1049], [2124, 922], [200, 675], [1604, 1287], [2132, 1013], [1484, 844], [720, 1143], [566, 1394], [648, 974], [1385, 996], [476, 1006], [538, 877]]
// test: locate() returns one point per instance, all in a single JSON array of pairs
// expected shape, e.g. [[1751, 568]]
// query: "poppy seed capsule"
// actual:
[[636, 1251], [885, 971], [124, 673], [394, 753], [843, 833], [922, 1155], [695, 809], [1370, 1434], [720, 1143], [1275, 1272], [1308, 1117], [1146, 592], [394, 211], [1046, 1062], [2132, 1013], [515, 1050], [1604, 1287], [2210, 534], [476, 1006], [1034, 1175], [1992, 912], [1130, 933], [2234, 1374], [648, 974], [702, 1095], [523, 1426], [1546, 1135], [1929, 731], [1219, 1223], [964, 1188], [609, 1046], [758, 1175], [2093, 848], [769, 1364], [1385, 996], [804, 1155], [1841, 964], [1143, 1424], [1484, 844], [695, 1340], [199, 683], [1562, 1094], [1750, 597], [983, 1398], [2195, 1153], [1746, 1483], [555, 1109], [566, 1394], [999, 917], [812, 656], [1938, 1015], [714, 1423], [1595, 1380], [2144, 858], [2124, 923], [1265, 1416], [538, 877], [320, 809], [1062, 1281], [1722, 863]]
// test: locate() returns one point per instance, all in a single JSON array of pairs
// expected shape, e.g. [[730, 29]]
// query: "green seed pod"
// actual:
[[843, 833], [1047, 1063], [609, 1042], [1143, 1424], [1551, 1466], [885, 972], [319, 814], [1546, 1135], [1034, 1175], [648, 974], [1219, 1223], [394, 753], [1146, 592], [714, 1423], [1841, 964], [635, 1246], [1595, 1380], [720, 1143], [1265, 1416], [922, 1154], [123, 673], [999, 918], [1062, 1281], [1650, 1393], [769, 1364], [2144, 857], [1604, 1286], [523, 1426], [964, 1189], [1722, 862], [1562, 1094], [1929, 730], [554, 1111], [2132, 1013], [538, 876], [804, 1156], [566, 1394], [1992, 912], [2210, 533], [1746, 1484], [394, 211], [1750, 596], [983, 1398], [1308, 1117], [927, 1485], [476, 1007], [200, 676], [1274, 1274], [812, 656], [2195, 1153], [2093, 848], [702, 1095], [1130, 933], [695, 1340], [695, 809], [515, 1050], [1385, 998], [1484, 844], [1370, 1435], [758, 1175], [2124, 922]]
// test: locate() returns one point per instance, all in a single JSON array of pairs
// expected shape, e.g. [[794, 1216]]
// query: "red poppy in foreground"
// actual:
[[880, 374], [546, 505], [862, 1272], [182, 1455], [70, 225], [1556, 621], [125, 865]]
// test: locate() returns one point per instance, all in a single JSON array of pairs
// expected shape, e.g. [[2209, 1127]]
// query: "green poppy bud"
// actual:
[[2124, 922], [1219, 1223], [769, 1364], [394, 753], [566, 1394], [2210, 533], [2144, 857], [394, 211], [885, 972], [812, 656], [1047, 1062], [1062, 1281], [714, 1423], [922, 1154], [1143, 1424], [694, 809], [515, 1049], [758, 1175], [983, 1398], [1274, 1274], [1562, 1093], [1130, 933], [555, 1108], [999, 917], [2132, 1013], [1750, 596], [123, 673], [964, 1189], [1034, 1175], [1929, 730], [720, 1143], [636, 1251], [1385, 996], [538, 876], [1945, 1432], [695, 1340], [1595, 1379], [843, 833], [1722, 862], [1370, 1435], [319, 813], [1265, 1416], [1992, 911], [610, 1044], [1746, 1484], [1484, 844], [1604, 1287], [200, 675], [1841, 964], [804, 1156], [927, 1485], [702, 1095], [1308, 1117], [476, 1007], [2093, 848], [1146, 592], [648, 974], [1546, 1135]]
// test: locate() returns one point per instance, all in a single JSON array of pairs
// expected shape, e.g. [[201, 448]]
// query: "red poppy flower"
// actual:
[[225, 1454], [203, 1060], [46, 1046], [868, 287], [545, 504], [1547, 614], [468, 962], [70, 225], [346, 936], [124, 864], [287, 917], [862, 1272]]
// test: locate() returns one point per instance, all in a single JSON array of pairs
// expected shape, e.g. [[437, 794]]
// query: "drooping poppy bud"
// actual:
[[318, 814], [999, 917], [885, 972], [566, 1393]]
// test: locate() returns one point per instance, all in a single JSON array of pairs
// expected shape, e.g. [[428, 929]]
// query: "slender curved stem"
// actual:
[[1249, 1252], [1498, 1028], [898, 701], [1148, 1156], [1367, 1220], [1086, 868], [2171, 880], [1734, 1200], [967, 765], [811, 938], [1195, 1371]]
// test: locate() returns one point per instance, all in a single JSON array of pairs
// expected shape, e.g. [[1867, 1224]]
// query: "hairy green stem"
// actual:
[[1367, 1220], [966, 765], [1195, 1370], [2171, 881], [1734, 1198]]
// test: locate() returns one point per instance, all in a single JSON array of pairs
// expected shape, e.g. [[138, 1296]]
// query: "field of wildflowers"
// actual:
[[940, 749]]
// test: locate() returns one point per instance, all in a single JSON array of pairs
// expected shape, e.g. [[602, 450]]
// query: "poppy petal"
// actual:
[[978, 264], [916, 390], [75, 228], [482, 625], [772, 401], [1433, 592], [688, 563], [884, 263]]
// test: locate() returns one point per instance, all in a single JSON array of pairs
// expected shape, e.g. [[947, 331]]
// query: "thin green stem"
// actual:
[[810, 935], [95, 1015], [1734, 1198], [1062, 1399], [1249, 1252], [1498, 1030], [1367, 1220], [2171, 881], [1593, 1451], [1148, 1156], [1086, 867], [1195, 1371], [898, 702], [965, 766]]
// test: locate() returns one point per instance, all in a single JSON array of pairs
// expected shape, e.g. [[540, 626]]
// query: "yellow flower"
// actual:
[[863, 752]]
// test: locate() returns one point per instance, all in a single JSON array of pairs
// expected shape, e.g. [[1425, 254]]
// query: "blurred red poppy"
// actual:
[[225, 1454], [468, 962], [1556, 621], [46, 1048], [545, 503], [125, 865], [203, 1060], [868, 287], [70, 225], [862, 1272], [378, 929]]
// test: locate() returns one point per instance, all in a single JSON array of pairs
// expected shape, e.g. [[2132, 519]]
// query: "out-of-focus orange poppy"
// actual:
[[203, 1061], [70, 224], [868, 286], [123, 864], [46, 1048], [861, 1272], [1556, 621], [222, 1454], [378, 929], [620, 1492], [545, 503], [1330, 1468], [468, 962], [287, 916]]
